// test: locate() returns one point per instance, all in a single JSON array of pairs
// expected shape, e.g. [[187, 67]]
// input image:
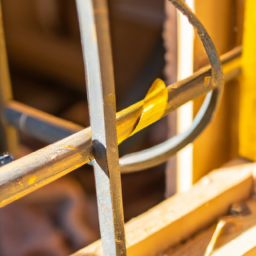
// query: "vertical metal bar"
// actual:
[[93, 17], [171, 46], [8, 138]]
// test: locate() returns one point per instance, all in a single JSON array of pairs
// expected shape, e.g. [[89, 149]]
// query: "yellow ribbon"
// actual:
[[154, 105]]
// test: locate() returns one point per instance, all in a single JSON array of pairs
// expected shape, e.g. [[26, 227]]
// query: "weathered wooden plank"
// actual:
[[184, 214], [196, 245], [242, 245]]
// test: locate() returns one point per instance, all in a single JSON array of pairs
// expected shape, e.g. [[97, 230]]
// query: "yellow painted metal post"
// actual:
[[247, 122], [8, 138]]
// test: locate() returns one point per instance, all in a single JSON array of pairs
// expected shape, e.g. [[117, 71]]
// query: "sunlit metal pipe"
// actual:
[[50, 129], [35, 170]]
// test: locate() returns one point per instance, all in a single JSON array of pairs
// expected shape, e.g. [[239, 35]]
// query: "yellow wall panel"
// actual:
[[218, 142], [247, 125]]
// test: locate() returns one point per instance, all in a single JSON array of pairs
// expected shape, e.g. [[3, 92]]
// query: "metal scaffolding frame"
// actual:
[[74, 146]]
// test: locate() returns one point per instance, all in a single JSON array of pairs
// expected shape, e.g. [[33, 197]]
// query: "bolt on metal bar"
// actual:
[[8, 137], [94, 30], [35, 170]]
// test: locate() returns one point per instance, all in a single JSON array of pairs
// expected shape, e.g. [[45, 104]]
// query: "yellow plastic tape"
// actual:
[[154, 105]]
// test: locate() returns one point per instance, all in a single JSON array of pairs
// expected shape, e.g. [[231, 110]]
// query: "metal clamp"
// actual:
[[158, 154]]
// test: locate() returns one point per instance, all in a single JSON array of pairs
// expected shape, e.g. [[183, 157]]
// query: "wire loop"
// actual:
[[160, 153]]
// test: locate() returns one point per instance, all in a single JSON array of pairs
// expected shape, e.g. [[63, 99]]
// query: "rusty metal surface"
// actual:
[[101, 140], [44, 166], [48, 164], [94, 28], [50, 129]]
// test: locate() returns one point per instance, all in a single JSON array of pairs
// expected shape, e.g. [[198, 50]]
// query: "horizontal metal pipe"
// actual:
[[49, 129], [35, 170], [38, 124]]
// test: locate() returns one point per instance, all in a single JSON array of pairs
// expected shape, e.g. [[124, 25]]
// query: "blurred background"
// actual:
[[47, 73]]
